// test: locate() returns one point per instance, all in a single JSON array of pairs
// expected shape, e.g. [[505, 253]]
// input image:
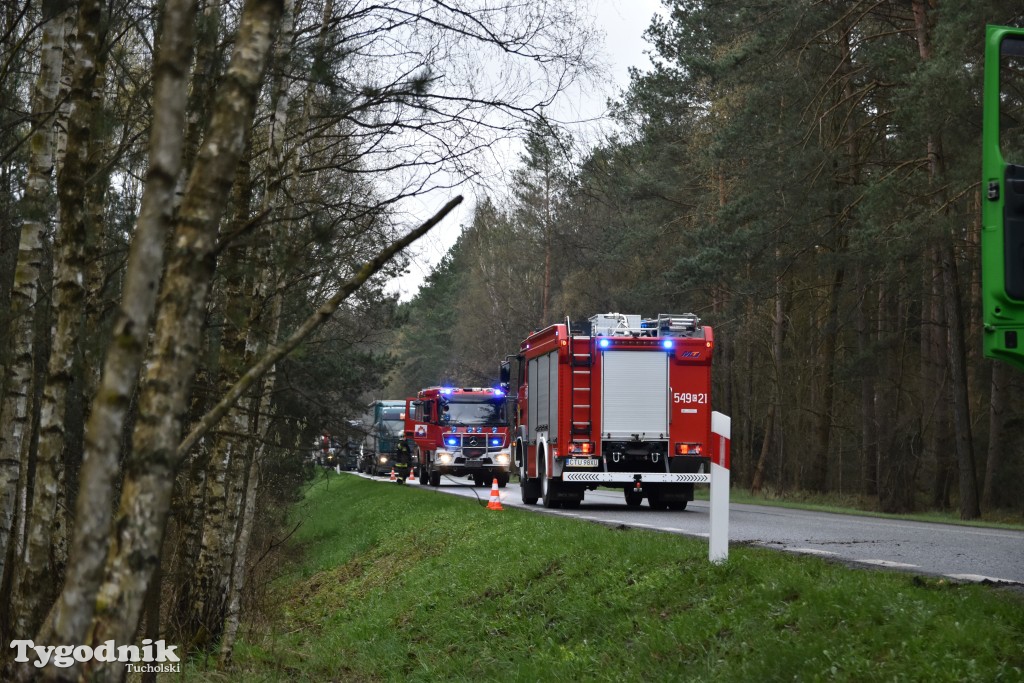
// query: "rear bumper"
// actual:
[[631, 477]]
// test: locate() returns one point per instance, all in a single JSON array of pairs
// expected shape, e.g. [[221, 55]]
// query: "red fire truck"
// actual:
[[616, 401], [460, 432]]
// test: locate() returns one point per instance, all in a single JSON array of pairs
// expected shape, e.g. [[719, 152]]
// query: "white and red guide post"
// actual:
[[721, 430]]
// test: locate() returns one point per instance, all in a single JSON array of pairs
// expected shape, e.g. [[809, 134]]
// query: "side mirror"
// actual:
[[505, 375]]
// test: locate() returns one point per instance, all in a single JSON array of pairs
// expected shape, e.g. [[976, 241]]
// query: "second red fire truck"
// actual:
[[616, 401], [460, 432]]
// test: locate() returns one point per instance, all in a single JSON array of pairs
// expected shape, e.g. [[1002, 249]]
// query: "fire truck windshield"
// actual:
[[487, 413]]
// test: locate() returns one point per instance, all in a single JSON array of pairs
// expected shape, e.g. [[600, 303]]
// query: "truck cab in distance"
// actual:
[[385, 422]]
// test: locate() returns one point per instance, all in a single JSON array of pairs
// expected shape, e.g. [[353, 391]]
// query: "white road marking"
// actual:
[[978, 578], [811, 551], [887, 563]]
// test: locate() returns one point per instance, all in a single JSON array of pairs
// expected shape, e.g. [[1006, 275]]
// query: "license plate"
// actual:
[[582, 462]]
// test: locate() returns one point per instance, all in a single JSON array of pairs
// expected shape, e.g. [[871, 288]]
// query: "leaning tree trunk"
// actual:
[[36, 209]]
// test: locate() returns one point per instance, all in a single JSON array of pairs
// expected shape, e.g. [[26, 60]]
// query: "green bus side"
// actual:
[[1002, 213]]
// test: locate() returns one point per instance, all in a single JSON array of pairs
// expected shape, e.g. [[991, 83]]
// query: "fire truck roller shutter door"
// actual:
[[634, 395], [553, 396], [532, 402], [543, 395]]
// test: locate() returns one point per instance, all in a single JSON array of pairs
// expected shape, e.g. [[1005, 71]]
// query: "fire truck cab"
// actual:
[[616, 401], [460, 432]]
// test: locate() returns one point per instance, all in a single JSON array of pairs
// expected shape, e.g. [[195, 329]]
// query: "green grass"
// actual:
[[401, 584]]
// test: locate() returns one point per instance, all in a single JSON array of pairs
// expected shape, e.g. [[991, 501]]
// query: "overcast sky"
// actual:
[[622, 23]]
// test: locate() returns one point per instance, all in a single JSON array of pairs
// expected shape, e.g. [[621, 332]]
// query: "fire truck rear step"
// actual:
[[630, 477]]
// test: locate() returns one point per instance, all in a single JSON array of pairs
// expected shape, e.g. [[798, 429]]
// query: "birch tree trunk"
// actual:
[[37, 209], [173, 357], [233, 608], [36, 579], [72, 614]]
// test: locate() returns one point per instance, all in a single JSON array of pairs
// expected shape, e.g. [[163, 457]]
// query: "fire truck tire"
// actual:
[[435, 478], [528, 489], [502, 481], [633, 498], [549, 491], [677, 505], [657, 504]]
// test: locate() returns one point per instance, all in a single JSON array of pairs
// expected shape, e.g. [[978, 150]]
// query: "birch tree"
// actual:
[[36, 208], [33, 588]]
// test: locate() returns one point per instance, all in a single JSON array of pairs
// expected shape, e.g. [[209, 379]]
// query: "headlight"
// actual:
[[502, 459], [383, 459], [444, 458]]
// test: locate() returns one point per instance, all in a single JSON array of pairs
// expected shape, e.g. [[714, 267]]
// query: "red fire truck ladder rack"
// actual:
[[581, 362]]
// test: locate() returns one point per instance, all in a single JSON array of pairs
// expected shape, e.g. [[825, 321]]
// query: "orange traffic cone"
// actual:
[[495, 503], [393, 477]]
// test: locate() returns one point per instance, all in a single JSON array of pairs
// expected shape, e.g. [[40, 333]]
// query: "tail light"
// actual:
[[583, 447], [688, 449]]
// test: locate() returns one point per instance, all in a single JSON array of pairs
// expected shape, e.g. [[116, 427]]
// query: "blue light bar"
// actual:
[[446, 390], [668, 343], [499, 392], [604, 343]]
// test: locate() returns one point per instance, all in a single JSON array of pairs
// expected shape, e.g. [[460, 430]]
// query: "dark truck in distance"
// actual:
[[385, 422]]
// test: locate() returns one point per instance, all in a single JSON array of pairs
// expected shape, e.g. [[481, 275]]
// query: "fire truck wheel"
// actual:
[[435, 478], [572, 504], [502, 481], [549, 491], [678, 505], [528, 490], [634, 498], [657, 504]]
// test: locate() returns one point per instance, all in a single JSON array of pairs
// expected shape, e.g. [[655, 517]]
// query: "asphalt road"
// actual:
[[958, 552]]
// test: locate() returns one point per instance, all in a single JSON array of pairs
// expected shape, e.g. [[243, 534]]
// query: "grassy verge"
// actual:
[[397, 583]]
